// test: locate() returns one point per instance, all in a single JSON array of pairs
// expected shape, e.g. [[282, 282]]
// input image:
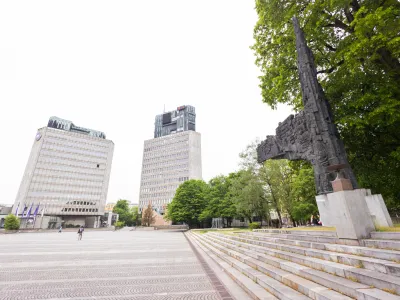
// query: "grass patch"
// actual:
[[228, 231], [391, 291], [396, 228], [312, 228]]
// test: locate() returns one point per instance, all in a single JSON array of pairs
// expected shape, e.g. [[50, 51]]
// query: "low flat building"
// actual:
[[66, 177], [109, 207], [5, 210]]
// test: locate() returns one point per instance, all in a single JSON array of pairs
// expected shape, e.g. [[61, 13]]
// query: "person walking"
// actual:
[[80, 232], [60, 229]]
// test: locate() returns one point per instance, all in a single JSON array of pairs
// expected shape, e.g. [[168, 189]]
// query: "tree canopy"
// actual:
[[11, 222], [148, 217], [188, 203], [356, 46], [125, 213]]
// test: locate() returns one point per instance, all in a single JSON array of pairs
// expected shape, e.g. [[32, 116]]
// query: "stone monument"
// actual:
[[312, 135]]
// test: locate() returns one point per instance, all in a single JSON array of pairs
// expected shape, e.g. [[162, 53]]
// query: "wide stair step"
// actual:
[[247, 284], [315, 278], [384, 261], [380, 240], [227, 265]]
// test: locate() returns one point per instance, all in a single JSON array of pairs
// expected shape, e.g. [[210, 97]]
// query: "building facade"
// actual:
[[109, 207], [179, 120], [171, 158], [67, 175]]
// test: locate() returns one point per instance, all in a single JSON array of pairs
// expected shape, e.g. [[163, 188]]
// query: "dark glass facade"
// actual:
[[181, 119]]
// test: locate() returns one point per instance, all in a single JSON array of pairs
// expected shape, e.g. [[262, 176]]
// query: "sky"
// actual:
[[113, 65]]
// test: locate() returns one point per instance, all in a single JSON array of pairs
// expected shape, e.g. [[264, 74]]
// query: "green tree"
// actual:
[[11, 222], [277, 185], [189, 202], [219, 203], [136, 216], [247, 192], [119, 224], [125, 214], [289, 184], [302, 211], [356, 47]]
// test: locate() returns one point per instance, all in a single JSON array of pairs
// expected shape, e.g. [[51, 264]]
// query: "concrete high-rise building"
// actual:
[[171, 158], [67, 175]]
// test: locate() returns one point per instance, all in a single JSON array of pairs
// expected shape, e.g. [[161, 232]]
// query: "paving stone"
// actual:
[[104, 265]]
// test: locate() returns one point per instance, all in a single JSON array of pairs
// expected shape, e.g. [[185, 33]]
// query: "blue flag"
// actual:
[[29, 211]]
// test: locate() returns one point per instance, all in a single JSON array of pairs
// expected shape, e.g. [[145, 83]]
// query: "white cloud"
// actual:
[[112, 65]]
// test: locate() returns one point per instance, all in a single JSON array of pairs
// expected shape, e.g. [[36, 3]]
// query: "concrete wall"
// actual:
[[195, 165]]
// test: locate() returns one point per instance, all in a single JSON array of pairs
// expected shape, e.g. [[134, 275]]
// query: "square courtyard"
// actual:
[[103, 265]]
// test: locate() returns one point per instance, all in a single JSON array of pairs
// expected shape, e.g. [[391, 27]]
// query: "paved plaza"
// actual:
[[104, 265]]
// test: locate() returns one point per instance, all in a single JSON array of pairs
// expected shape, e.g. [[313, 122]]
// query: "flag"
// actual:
[[28, 214], [36, 211], [22, 215], [16, 211]]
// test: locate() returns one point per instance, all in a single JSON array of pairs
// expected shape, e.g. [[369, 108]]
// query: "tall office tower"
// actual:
[[67, 175], [171, 158]]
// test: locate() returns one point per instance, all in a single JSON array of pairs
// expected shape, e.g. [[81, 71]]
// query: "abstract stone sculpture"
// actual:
[[311, 134]]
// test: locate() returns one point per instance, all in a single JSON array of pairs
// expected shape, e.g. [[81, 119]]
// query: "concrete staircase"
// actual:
[[283, 264]]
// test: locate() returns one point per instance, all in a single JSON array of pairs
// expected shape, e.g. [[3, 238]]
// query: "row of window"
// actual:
[[166, 158], [72, 156], [53, 194], [73, 141], [81, 203], [155, 195], [179, 165], [159, 188], [165, 154], [159, 170], [69, 168], [161, 145], [48, 145], [42, 187], [165, 151], [55, 160], [158, 182], [65, 181], [67, 174], [65, 209], [52, 201], [45, 188]]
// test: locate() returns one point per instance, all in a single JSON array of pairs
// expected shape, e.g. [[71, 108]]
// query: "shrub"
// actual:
[[254, 225], [11, 222], [119, 224]]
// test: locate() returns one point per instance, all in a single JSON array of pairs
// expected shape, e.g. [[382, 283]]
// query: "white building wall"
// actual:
[[168, 161], [67, 173]]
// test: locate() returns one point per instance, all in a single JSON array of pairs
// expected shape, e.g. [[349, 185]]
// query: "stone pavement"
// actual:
[[141, 265]]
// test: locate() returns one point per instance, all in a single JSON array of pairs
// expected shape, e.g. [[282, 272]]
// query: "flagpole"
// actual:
[[41, 221]]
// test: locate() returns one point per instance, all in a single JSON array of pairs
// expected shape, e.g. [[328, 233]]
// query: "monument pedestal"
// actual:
[[378, 210], [348, 212]]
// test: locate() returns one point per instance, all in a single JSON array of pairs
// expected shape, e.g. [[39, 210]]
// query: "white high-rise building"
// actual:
[[67, 175], [169, 160]]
